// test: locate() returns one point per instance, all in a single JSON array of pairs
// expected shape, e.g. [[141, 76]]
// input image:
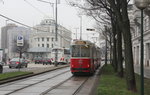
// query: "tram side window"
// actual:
[[75, 51]]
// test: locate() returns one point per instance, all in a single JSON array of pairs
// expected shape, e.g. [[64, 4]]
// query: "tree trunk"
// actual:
[[114, 54], [114, 61], [119, 53], [130, 77], [120, 10], [106, 51], [110, 49]]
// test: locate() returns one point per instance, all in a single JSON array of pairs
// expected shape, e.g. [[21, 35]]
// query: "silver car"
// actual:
[[18, 63]]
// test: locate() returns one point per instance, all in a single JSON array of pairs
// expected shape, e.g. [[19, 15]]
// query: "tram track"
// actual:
[[74, 92], [34, 83], [80, 87], [63, 82], [52, 88]]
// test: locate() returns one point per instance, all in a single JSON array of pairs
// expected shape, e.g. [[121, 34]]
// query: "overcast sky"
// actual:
[[31, 12]]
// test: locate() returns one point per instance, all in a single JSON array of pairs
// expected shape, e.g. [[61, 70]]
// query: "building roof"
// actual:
[[39, 49]]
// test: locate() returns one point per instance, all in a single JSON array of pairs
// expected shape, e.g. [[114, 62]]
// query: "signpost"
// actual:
[[20, 41]]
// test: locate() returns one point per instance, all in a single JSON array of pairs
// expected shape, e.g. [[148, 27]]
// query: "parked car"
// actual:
[[1, 67], [18, 63], [47, 61], [38, 60]]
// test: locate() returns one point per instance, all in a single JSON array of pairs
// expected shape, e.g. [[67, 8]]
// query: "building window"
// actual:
[[38, 45], [42, 39], [147, 24], [38, 39], [42, 45], [52, 39], [52, 45], [52, 31], [47, 45], [47, 39]]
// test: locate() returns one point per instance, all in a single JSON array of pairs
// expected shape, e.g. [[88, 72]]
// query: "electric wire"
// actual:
[[35, 8], [29, 26], [2, 1]]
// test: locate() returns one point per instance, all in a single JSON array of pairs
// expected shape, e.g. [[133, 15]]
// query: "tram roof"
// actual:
[[82, 42]]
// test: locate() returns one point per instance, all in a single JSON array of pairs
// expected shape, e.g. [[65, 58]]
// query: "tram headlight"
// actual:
[[88, 65], [72, 65]]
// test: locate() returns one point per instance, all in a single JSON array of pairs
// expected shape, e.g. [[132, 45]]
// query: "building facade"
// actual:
[[13, 49], [42, 39], [135, 22], [9, 35]]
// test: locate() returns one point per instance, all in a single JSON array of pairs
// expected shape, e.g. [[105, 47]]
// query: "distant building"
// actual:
[[12, 41], [4, 32], [42, 39], [4, 39], [9, 35]]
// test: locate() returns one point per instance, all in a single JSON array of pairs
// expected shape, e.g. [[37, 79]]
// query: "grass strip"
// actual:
[[110, 84], [9, 75]]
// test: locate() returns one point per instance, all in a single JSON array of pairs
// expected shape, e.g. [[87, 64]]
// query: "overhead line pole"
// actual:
[[56, 22], [56, 39]]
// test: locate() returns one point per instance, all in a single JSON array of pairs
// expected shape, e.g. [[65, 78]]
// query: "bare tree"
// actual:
[[117, 10]]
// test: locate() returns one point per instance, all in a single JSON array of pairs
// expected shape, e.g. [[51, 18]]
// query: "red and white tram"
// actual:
[[85, 57]]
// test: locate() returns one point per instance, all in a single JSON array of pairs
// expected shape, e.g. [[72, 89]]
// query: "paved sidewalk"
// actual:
[[39, 68], [146, 70]]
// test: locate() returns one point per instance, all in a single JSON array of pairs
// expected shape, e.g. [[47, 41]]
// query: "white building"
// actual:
[[135, 20], [42, 39]]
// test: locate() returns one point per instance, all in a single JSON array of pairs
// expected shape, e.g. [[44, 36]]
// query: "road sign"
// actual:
[[20, 41]]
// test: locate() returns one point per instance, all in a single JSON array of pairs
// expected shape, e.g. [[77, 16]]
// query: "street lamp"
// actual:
[[142, 4]]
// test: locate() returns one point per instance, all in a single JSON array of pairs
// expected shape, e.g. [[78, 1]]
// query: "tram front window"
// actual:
[[85, 51], [75, 51], [80, 51]]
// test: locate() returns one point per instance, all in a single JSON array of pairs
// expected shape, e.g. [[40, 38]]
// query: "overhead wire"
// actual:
[[35, 7], [28, 26], [2, 1]]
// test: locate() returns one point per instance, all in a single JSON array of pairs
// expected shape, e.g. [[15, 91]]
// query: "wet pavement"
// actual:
[[31, 67], [34, 85]]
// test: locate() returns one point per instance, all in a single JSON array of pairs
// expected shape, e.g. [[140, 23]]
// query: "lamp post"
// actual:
[[56, 39], [142, 4], [56, 28]]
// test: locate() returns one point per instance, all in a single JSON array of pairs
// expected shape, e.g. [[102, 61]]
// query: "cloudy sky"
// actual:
[[31, 12]]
